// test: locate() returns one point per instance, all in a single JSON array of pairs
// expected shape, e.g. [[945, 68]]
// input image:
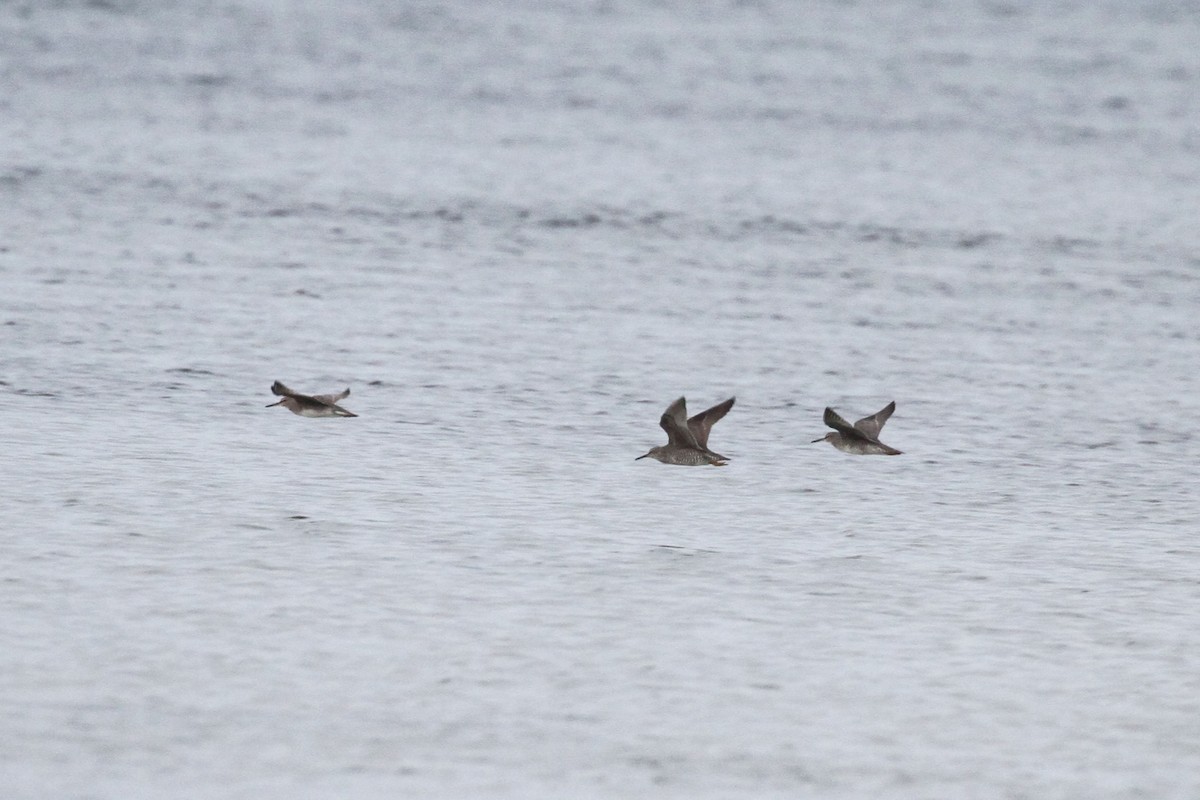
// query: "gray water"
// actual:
[[517, 236]]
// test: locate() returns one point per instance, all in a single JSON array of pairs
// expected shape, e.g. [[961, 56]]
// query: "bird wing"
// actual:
[[701, 424], [331, 399], [873, 424], [279, 390], [835, 421], [674, 422]]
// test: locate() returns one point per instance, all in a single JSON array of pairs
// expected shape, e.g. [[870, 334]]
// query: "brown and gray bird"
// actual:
[[687, 439], [861, 438], [316, 405]]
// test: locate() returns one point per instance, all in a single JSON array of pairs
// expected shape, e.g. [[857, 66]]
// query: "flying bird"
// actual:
[[316, 405], [687, 439], [861, 438]]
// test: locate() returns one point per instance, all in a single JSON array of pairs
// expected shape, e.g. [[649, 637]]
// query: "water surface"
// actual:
[[517, 238]]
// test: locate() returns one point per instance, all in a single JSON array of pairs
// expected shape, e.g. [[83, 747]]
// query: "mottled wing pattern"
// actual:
[[674, 422], [701, 424], [873, 424]]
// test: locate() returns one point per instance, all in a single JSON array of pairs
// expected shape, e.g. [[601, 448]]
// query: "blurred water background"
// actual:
[[517, 232]]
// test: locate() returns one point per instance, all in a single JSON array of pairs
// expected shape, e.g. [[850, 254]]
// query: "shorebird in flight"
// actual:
[[861, 438], [316, 405], [687, 439]]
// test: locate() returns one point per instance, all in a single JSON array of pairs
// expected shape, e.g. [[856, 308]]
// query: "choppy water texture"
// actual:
[[517, 236]]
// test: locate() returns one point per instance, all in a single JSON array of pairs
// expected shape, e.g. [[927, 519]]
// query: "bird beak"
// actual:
[[272, 405], [814, 441], [639, 458]]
